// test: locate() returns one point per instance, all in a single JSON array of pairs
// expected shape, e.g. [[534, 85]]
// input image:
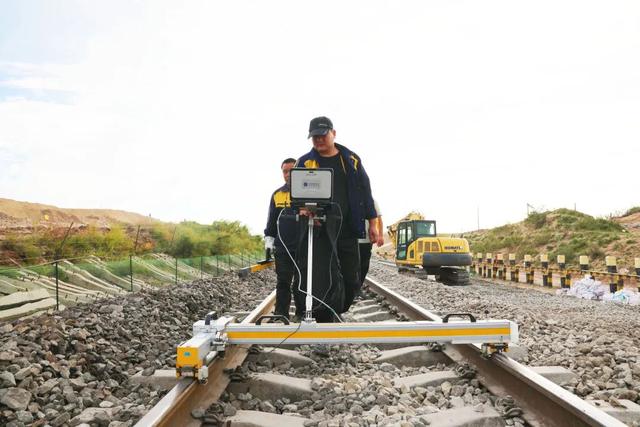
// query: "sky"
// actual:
[[466, 111]]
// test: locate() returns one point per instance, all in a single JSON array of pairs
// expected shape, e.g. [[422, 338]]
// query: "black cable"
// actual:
[[285, 338], [333, 252]]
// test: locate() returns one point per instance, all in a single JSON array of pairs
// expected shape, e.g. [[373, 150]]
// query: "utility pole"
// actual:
[[478, 217]]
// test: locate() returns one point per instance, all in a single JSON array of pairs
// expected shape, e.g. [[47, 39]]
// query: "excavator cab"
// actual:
[[409, 231]]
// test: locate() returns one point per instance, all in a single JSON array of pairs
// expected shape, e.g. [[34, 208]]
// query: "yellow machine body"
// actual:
[[417, 245]]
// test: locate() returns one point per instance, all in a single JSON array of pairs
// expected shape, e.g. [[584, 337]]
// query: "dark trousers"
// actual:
[[286, 273], [365, 258], [349, 256], [330, 277]]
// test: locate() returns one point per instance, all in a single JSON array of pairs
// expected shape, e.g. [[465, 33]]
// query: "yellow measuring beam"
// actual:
[[366, 333]]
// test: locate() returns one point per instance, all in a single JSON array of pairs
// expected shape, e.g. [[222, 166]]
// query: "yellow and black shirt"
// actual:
[[281, 199]]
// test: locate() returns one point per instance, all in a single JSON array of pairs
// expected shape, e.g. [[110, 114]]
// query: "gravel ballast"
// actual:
[[350, 389], [598, 341], [73, 367]]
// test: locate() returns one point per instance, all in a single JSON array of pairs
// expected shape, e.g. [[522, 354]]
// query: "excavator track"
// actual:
[[453, 276]]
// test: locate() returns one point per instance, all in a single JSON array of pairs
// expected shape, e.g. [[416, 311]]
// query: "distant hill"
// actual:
[[31, 233], [565, 232], [15, 215]]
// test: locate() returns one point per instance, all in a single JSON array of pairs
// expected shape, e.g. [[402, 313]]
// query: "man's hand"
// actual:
[[309, 213], [374, 234], [305, 212], [269, 242], [380, 240]]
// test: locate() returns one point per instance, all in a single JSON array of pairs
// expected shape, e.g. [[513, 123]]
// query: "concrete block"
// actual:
[[28, 309], [163, 379], [557, 374], [264, 419], [517, 352], [628, 413], [17, 299], [412, 356], [376, 316], [280, 355], [428, 379], [365, 309], [465, 417], [266, 386]]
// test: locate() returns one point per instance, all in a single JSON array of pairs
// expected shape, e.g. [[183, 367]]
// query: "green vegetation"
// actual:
[[631, 211], [536, 219], [193, 239], [187, 239], [597, 224], [560, 232]]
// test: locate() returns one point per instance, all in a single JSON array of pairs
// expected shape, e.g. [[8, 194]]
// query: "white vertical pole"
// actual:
[[308, 316]]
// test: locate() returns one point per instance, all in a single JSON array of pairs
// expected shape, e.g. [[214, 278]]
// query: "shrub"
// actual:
[[595, 252], [184, 247], [597, 224], [24, 249], [567, 220], [542, 239], [536, 219]]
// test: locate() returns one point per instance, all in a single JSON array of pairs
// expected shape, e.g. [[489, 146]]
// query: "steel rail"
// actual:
[[174, 409], [543, 402]]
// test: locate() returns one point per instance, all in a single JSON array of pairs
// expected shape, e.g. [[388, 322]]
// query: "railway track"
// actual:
[[543, 402], [536, 400], [175, 408]]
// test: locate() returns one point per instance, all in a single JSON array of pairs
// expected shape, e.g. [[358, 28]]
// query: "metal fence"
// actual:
[[539, 270], [29, 289]]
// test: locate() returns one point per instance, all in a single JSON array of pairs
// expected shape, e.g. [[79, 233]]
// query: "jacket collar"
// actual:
[[285, 187], [344, 152]]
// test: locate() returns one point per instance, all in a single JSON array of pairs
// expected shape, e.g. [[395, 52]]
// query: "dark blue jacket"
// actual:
[[281, 199], [358, 186]]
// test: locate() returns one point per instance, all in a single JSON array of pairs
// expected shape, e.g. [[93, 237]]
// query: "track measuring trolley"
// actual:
[[311, 190]]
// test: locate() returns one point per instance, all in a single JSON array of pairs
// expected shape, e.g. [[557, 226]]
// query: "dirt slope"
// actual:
[[19, 216]]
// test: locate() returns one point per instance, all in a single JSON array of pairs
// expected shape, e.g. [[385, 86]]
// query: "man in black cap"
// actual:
[[353, 204]]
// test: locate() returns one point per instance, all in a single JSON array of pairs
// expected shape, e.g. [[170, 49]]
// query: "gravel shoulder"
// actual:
[[598, 341], [73, 366]]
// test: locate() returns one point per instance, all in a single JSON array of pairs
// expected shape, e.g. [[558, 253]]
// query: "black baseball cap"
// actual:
[[319, 126]]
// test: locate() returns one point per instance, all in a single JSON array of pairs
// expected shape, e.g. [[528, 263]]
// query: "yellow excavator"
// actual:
[[417, 246]]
